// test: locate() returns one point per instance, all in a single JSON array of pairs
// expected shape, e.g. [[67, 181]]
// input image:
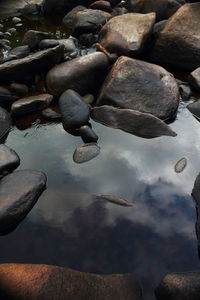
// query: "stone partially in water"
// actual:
[[44, 282], [194, 108], [115, 200], [9, 160], [75, 112], [86, 152], [132, 121], [179, 286], [19, 192], [180, 165], [5, 123], [51, 114], [87, 134], [48, 43]]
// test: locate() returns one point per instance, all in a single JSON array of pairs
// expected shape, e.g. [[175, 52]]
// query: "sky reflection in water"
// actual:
[[69, 227]]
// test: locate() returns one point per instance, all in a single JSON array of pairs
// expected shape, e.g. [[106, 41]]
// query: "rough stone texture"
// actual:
[[131, 121], [194, 108], [38, 62], [51, 282], [86, 152], [5, 123], [31, 104], [18, 89], [32, 38], [48, 43], [179, 286], [163, 8], [194, 79], [19, 192], [75, 112], [178, 44], [127, 34], [83, 74], [180, 165], [9, 160], [141, 86]]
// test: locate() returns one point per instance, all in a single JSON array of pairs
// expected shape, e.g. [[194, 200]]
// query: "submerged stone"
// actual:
[[87, 134], [86, 152]]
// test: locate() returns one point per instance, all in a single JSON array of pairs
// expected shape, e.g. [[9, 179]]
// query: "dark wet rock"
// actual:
[[16, 20], [194, 79], [132, 121], [158, 27], [6, 97], [21, 51], [88, 39], [178, 44], [5, 44], [69, 18], [194, 108], [185, 91], [51, 114], [180, 165], [69, 45], [179, 286], [115, 200], [5, 123], [89, 99], [32, 38], [18, 89], [41, 61], [163, 8], [48, 43], [9, 160], [127, 34], [75, 112], [102, 5], [89, 20], [141, 86], [19, 192], [31, 104], [86, 152], [87, 134], [83, 74], [51, 282], [196, 196]]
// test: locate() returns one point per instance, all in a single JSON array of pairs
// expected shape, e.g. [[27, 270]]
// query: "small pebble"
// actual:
[[180, 165], [16, 20]]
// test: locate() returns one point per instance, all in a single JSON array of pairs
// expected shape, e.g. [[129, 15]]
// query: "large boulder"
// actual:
[[127, 34], [163, 8], [179, 286], [84, 74], [178, 44], [131, 121], [19, 192], [45, 282], [38, 62], [5, 123], [141, 86], [9, 160]]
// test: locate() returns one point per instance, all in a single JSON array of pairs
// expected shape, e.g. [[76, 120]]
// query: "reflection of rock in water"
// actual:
[[196, 196]]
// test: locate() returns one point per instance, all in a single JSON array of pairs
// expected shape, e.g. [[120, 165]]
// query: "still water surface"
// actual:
[[69, 227]]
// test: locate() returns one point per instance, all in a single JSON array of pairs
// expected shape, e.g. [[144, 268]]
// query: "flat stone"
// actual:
[[52, 282], [9, 160], [132, 121], [141, 86], [5, 123], [127, 34], [21, 51], [115, 200], [180, 165], [19, 192], [31, 104], [86, 152]]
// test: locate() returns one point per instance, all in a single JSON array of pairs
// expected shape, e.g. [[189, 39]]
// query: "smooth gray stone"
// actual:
[[86, 152], [32, 38], [48, 43], [87, 134], [5, 123], [9, 160], [132, 121], [21, 51], [180, 165], [19, 192]]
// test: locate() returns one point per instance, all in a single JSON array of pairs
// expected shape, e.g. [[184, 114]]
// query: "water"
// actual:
[[69, 227]]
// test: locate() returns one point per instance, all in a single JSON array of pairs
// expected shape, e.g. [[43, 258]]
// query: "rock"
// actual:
[[86, 152], [180, 165], [19, 192], [41, 61], [9, 160], [185, 91], [179, 286], [141, 86], [69, 18], [69, 45], [5, 123], [178, 44], [115, 200], [31, 104], [163, 8], [102, 5], [89, 99], [32, 38], [134, 122], [194, 79], [87, 134], [6, 97], [58, 283], [74, 111], [88, 39], [5, 44], [127, 34], [48, 43], [89, 20], [16, 20], [20, 52], [196, 196], [18, 89], [83, 74], [194, 108], [51, 114]]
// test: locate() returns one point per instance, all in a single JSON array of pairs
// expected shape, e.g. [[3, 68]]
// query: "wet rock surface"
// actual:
[[9, 160], [86, 152]]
